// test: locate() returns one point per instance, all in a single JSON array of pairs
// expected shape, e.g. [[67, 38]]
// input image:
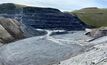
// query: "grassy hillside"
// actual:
[[92, 16]]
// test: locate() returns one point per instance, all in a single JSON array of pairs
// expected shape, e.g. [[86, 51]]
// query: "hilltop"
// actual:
[[92, 16]]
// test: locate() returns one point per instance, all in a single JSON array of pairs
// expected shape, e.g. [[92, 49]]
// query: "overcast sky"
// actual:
[[61, 4]]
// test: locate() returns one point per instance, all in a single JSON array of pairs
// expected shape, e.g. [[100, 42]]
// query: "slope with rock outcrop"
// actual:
[[43, 18], [54, 47], [12, 30]]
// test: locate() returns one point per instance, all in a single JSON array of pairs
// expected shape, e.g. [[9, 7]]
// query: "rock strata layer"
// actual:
[[43, 18], [10, 30]]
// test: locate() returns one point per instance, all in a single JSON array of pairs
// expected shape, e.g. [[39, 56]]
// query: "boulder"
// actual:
[[97, 32], [4, 35], [12, 26]]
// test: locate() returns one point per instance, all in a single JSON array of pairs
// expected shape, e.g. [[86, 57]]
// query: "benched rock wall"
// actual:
[[43, 18]]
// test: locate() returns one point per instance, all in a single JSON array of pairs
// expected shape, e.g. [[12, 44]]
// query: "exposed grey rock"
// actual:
[[43, 18], [36, 51], [97, 33], [12, 30], [96, 56], [30, 32]]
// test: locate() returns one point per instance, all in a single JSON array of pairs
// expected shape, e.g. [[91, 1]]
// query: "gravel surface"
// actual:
[[40, 50], [66, 49]]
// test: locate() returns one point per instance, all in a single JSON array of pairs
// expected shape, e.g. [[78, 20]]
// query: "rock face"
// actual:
[[43, 18], [97, 33], [10, 30], [12, 26], [4, 35], [95, 56]]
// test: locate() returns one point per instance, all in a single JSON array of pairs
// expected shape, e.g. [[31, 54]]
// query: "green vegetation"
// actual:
[[92, 16]]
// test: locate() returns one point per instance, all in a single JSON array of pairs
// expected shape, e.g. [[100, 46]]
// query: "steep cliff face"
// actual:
[[43, 18], [10, 30]]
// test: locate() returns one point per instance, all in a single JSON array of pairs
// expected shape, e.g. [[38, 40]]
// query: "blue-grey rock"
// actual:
[[43, 18], [36, 51]]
